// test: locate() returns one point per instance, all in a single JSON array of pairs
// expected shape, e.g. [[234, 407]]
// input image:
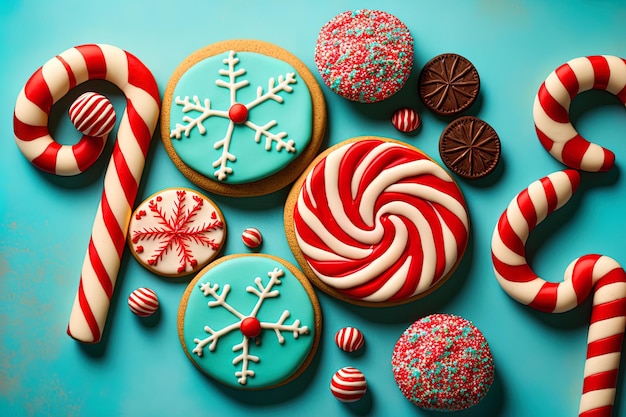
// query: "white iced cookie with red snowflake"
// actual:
[[176, 232], [242, 117], [250, 321]]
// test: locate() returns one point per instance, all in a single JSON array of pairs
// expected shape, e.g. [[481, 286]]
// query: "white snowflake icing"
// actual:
[[263, 292], [205, 111]]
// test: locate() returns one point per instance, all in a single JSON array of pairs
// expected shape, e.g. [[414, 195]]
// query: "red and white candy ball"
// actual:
[[143, 302], [92, 114], [405, 120], [349, 339], [252, 238], [348, 385]]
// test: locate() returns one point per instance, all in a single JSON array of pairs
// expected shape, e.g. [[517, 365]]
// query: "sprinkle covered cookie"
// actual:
[[364, 55], [443, 362]]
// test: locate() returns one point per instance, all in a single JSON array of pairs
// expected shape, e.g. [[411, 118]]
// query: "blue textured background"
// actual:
[[140, 369]]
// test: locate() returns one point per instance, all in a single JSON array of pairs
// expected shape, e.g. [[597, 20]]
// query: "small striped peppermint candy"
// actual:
[[252, 238], [348, 385], [92, 114], [143, 302], [349, 339], [405, 120]]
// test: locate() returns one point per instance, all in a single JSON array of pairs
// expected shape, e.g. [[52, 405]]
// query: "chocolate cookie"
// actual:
[[470, 147], [448, 84]]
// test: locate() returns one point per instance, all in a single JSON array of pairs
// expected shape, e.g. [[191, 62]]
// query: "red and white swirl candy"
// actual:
[[92, 114], [349, 339], [143, 302], [405, 120], [379, 221], [251, 237], [32, 109], [551, 109], [348, 385], [599, 273]]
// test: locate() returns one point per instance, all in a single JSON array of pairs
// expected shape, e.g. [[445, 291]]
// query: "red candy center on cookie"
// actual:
[[250, 327], [238, 113]]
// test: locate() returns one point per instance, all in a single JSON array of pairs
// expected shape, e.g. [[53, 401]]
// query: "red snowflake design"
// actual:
[[176, 232]]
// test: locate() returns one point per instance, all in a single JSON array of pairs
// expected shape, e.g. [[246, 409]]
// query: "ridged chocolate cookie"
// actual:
[[448, 84], [470, 147]]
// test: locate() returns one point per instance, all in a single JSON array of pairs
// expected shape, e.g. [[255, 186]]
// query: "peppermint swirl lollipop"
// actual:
[[377, 222]]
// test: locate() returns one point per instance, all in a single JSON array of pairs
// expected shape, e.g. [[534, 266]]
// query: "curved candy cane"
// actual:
[[45, 87], [608, 315], [551, 109]]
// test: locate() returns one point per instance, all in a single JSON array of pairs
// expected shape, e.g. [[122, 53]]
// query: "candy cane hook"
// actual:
[[45, 87], [552, 103], [601, 273]]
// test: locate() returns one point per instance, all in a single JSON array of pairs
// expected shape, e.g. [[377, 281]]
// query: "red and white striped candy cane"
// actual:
[[45, 87], [552, 103], [600, 273]]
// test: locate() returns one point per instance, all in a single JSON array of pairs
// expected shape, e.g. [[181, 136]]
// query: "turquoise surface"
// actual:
[[140, 369]]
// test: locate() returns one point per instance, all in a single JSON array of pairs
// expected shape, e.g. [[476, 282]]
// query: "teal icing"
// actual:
[[253, 162], [276, 361]]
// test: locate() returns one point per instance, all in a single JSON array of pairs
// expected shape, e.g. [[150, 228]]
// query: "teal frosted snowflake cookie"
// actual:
[[242, 117], [250, 321]]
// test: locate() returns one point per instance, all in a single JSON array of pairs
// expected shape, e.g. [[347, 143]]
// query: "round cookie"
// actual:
[[364, 55], [376, 222], [242, 117], [469, 147], [176, 232], [250, 321], [448, 84], [443, 362]]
